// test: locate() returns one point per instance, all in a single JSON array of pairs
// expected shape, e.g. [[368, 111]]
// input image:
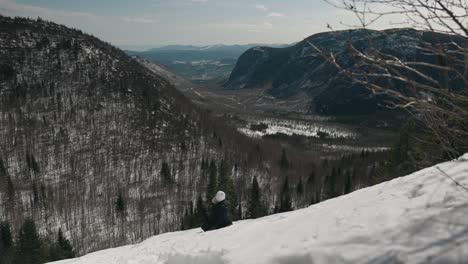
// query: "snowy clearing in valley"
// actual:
[[274, 126], [354, 148], [419, 218]]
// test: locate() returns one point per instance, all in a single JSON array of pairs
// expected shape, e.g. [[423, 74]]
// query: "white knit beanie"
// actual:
[[219, 197]]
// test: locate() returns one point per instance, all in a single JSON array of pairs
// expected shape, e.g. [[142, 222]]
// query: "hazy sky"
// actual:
[[130, 23]]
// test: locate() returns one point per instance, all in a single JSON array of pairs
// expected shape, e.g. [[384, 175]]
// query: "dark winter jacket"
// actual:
[[218, 217]]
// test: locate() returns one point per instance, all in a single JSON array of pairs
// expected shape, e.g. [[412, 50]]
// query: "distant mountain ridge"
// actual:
[[213, 47], [299, 69], [198, 63]]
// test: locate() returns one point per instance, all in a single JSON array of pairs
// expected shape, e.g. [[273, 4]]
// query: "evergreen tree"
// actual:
[[32, 163], [330, 188], [192, 216], [212, 181], [255, 206], [332, 182], [276, 208], [285, 198], [311, 191], [227, 185], [35, 194], [200, 213], [64, 246], [10, 189], [120, 206], [204, 165], [59, 249], [300, 188], [6, 243], [325, 163], [28, 247], [3, 170], [166, 173], [186, 218], [349, 183], [6, 239], [284, 162]]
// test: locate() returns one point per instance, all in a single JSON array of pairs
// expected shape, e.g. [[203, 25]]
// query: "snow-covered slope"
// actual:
[[419, 218]]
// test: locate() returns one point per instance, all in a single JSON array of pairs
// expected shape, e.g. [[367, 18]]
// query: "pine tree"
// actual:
[[64, 246], [166, 173], [32, 163], [300, 188], [330, 185], [185, 222], [204, 165], [284, 162], [285, 198], [191, 213], [188, 220], [3, 170], [6, 243], [6, 239], [227, 185], [310, 187], [28, 247], [10, 189], [200, 213], [349, 183], [35, 194], [212, 181], [120, 206], [255, 206]]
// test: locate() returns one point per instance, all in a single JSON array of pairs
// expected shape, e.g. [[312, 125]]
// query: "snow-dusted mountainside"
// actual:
[[82, 124], [161, 70], [420, 218], [300, 69]]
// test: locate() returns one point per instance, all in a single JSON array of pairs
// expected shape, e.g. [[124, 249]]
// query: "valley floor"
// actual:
[[420, 218]]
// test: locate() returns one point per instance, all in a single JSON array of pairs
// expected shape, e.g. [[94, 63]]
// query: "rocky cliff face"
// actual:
[[300, 69], [81, 124]]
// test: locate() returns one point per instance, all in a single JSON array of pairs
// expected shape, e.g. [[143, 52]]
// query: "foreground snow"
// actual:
[[419, 218]]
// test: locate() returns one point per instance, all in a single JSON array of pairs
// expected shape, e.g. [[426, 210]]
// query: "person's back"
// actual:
[[218, 217]]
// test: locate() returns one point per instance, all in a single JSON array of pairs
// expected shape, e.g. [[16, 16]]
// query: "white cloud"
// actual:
[[244, 27], [142, 20], [276, 14], [199, 1], [9, 6], [261, 7]]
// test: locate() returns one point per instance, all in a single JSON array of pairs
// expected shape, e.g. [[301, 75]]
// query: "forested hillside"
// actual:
[[419, 218], [83, 126]]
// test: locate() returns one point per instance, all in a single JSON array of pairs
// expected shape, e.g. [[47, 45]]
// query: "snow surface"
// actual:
[[293, 127], [420, 218]]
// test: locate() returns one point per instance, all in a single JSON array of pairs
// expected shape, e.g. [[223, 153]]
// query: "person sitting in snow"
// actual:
[[218, 217]]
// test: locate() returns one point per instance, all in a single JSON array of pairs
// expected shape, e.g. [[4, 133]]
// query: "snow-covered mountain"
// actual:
[[420, 218]]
